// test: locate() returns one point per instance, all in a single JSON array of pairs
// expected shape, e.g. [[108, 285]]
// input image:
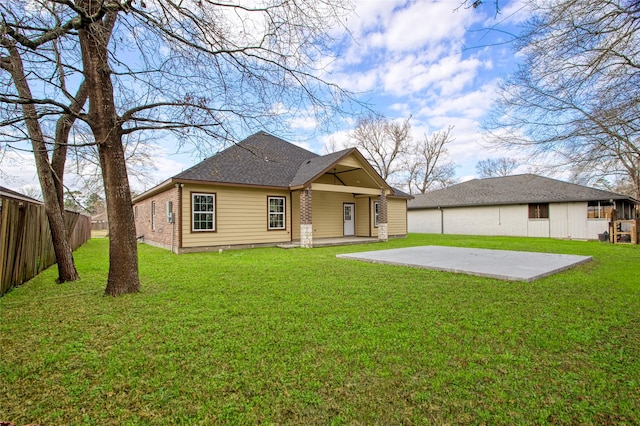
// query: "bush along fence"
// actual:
[[26, 248]]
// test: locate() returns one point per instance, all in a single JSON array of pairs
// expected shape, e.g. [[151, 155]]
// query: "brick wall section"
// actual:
[[305, 207], [306, 226], [382, 208], [165, 234], [383, 227]]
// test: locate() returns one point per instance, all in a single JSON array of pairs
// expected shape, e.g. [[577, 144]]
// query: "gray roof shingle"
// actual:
[[310, 168], [517, 189], [261, 159]]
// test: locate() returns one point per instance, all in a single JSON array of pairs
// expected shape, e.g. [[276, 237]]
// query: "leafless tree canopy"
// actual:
[[196, 68], [420, 165], [383, 142], [575, 99], [202, 70], [494, 167], [429, 167]]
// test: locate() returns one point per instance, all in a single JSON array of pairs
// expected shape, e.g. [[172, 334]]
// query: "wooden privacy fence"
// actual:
[[26, 248]]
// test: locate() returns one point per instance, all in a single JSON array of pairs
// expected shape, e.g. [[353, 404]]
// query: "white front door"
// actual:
[[349, 219]]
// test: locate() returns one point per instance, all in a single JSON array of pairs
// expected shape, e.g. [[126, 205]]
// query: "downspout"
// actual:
[[178, 216], [441, 220], [173, 233]]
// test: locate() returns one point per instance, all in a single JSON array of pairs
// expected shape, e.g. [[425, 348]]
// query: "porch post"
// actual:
[[383, 229], [306, 226]]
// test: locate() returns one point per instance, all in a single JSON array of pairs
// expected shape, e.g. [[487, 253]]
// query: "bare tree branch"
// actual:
[[575, 100]]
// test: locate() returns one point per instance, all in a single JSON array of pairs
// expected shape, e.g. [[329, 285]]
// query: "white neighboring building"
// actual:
[[521, 205]]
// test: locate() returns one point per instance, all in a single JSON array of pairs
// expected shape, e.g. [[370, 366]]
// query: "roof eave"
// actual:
[[511, 203], [348, 152], [155, 190]]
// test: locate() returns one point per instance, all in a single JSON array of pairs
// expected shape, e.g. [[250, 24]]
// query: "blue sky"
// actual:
[[428, 59]]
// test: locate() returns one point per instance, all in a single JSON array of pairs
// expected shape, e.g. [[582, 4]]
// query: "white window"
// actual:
[[203, 212], [277, 212], [376, 206]]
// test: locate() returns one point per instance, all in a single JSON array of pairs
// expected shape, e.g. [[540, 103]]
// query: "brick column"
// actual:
[[383, 228], [306, 226]]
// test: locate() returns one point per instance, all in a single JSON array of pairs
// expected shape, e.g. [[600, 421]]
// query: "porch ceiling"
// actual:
[[344, 188], [350, 176]]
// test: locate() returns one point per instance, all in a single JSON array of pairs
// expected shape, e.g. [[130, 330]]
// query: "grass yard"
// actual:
[[299, 337]]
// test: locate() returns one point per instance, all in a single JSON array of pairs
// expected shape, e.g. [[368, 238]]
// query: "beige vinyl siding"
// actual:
[[328, 179], [396, 216], [241, 217], [362, 216], [295, 215], [350, 161], [373, 229], [327, 213]]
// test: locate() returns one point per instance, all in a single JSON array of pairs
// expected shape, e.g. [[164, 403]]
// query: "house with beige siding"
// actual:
[[522, 205], [264, 191]]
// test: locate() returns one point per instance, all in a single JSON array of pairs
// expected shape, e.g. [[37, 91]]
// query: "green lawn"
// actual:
[[300, 337]]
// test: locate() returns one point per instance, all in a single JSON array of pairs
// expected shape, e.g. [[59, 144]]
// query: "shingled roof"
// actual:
[[261, 159], [517, 189]]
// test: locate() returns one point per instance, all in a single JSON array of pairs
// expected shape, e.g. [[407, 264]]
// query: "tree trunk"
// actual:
[[63, 128], [55, 213], [103, 119]]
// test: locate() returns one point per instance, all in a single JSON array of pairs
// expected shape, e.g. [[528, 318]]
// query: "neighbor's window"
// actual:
[[203, 212], [135, 212], [376, 206], [276, 212], [539, 211], [599, 209]]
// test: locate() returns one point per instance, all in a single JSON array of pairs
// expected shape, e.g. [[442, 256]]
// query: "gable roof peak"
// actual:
[[260, 159]]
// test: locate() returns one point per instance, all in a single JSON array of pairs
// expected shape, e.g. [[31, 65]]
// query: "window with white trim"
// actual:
[[277, 212], [376, 207], [203, 212]]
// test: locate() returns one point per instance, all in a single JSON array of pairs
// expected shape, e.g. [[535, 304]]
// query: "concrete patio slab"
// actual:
[[501, 264]]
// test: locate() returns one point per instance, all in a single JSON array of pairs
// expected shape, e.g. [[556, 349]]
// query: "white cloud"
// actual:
[[18, 170], [303, 123], [425, 24], [473, 104], [335, 141]]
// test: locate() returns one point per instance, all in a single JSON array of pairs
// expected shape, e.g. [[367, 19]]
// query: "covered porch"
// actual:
[[329, 242]]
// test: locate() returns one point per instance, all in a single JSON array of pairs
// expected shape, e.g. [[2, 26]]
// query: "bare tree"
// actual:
[[575, 99], [50, 170], [383, 142], [206, 71], [32, 191], [493, 167], [429, 167]]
